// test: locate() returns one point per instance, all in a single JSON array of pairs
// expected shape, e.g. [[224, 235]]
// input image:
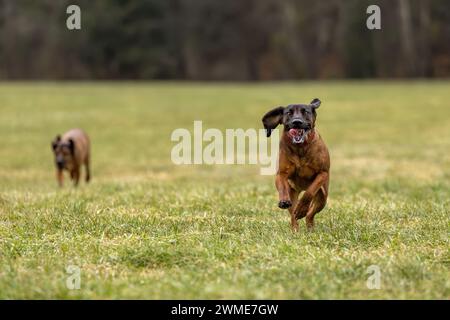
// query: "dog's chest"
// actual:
[[303, 167]]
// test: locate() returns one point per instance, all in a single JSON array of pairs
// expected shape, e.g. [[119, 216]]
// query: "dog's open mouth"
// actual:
[[298, 135]]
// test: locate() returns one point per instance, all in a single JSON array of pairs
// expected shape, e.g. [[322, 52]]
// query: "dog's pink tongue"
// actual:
[[293, 132]]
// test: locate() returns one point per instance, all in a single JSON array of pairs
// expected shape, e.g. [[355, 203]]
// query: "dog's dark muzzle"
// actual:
[[60, 164], [300, 124]]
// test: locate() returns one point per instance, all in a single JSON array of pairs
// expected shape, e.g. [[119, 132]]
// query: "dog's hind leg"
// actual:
[[293, 194], [87, 166]]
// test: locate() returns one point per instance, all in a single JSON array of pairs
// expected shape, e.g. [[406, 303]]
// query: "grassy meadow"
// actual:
[[145, 228]]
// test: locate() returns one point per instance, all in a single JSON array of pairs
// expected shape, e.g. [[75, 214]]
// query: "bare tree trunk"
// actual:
[[424, 35], [7, 37], [189, 11], [406, 38]]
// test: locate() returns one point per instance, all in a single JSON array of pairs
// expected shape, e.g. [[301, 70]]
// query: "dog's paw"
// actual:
[[284, 204]]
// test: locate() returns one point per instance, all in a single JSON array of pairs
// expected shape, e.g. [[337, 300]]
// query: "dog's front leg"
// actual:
[[305, 202], [294, 199], [76, 176], [282, 185], [285, 170], [60, 177]]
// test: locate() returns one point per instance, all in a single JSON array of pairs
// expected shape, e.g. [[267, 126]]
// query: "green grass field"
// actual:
[[145, 228]]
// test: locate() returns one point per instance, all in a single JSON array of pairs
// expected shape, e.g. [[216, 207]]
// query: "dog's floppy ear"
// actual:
[[72, 146], [55, 142], [272, 119], [315, 103]]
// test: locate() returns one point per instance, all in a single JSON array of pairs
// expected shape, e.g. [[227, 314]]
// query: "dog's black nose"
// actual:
[[297, 123], [60, 164]]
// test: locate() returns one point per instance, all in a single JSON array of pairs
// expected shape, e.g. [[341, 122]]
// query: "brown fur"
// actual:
[[72, 150], [301, 167]]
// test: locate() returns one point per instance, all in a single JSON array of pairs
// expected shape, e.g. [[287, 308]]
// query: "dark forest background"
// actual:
[[224, 40]]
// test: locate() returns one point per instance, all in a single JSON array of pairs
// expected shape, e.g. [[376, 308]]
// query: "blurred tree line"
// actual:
[[224, 40]]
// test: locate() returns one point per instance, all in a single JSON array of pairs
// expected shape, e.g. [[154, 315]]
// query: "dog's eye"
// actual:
[[290, 112]]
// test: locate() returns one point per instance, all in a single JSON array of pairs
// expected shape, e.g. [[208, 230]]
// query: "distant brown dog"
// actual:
[[71, 151], [304, 162]]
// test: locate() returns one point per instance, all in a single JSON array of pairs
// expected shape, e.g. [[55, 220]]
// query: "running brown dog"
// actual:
[[71, 151], [303, 161]]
